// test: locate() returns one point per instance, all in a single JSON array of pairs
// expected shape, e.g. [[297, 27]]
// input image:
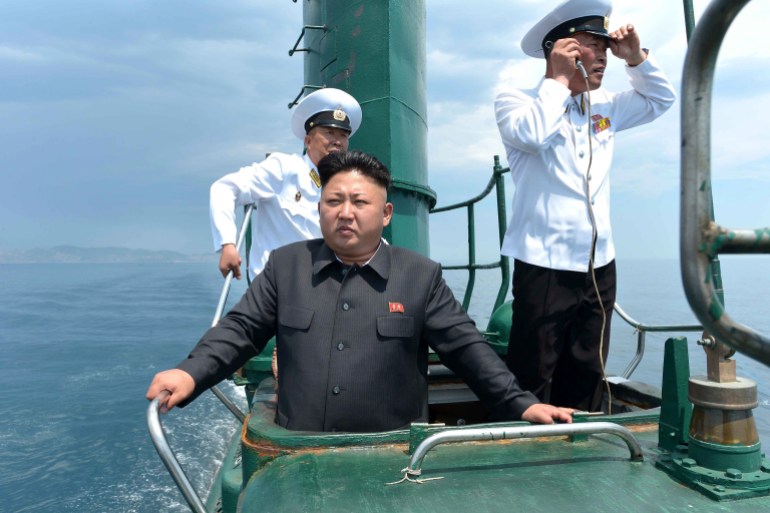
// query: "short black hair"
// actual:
[[368, 165]]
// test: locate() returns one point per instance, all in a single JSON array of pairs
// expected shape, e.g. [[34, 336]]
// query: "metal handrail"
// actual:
[[642, 330], [229, 278], [221, 308], [241, 416], [701, 238], [167, 455], [516, 432], [154, 425], [495, 182], [294, 49]]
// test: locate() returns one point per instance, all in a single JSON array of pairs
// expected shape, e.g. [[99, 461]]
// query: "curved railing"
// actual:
[[495, 182], [515, 432], [168, 457], [701, 238], [641, 336], [154, 425]]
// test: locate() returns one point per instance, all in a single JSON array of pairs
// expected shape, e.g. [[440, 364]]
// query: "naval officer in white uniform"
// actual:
[[285, 188], [559, 138]]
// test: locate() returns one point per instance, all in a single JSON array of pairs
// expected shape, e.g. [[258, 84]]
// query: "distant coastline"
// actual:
[[103, 255]]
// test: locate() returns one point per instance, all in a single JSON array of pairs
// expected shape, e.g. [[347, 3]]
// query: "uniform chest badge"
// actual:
[[298, 196], [600, 123], [395, 307], [315, 177]]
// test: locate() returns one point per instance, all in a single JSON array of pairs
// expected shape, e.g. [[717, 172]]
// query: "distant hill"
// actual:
[[78, 255]]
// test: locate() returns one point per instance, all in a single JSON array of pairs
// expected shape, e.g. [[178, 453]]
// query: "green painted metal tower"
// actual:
[[376, 52]]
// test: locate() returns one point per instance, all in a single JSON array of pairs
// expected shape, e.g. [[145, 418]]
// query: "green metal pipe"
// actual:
[[689, 18]]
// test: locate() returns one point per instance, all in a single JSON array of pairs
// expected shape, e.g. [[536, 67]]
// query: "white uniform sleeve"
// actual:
[[651, 96], [248, 185], [528, 123]]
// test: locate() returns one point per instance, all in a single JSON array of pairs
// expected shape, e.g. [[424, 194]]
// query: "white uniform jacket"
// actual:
[[546, 138], [286, 197]]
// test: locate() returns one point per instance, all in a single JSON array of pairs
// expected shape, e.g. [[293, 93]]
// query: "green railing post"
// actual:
[[496, 181], [471, 257], [502, 226]]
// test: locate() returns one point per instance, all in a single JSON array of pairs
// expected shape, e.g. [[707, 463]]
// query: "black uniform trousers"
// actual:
[[554, 345]]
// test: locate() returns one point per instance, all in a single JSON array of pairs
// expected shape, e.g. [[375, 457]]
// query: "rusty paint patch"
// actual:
[[261, 448]]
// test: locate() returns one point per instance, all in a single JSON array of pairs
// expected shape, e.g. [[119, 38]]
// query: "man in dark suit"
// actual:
[[354, 318]]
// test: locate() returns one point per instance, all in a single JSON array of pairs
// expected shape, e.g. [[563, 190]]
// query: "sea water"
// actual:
[[79, 344]]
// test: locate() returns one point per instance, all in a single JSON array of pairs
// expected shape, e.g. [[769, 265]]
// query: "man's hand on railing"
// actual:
[[541, 413], [177, 382], [230, 260]]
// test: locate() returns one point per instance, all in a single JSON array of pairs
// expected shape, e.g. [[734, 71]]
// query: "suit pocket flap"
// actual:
[[295, 317], [395, 327]]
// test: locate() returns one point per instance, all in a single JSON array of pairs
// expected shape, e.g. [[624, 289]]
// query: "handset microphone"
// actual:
[[579, 65]]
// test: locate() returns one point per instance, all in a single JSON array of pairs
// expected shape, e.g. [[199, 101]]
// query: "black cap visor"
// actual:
[[330, 118], [589, 24]]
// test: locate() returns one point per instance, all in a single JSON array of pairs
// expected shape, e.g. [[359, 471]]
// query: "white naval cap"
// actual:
[[567, 18], [326, 107]]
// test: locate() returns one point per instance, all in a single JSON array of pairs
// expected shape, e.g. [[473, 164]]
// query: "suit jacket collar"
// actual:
[[323, 257]]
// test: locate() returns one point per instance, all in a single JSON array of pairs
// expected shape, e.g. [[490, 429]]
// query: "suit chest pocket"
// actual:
[[395, 327], [295, 318]]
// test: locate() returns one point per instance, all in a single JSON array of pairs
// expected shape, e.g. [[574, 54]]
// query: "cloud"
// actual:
[[116, 116], [110, 108], [10, 55]]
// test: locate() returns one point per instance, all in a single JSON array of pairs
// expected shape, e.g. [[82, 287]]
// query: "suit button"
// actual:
[[336, 390], [340, 346], [580, 154], [345, 306]]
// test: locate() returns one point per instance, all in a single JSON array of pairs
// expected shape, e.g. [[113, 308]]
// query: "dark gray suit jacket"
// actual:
[[353, 341]]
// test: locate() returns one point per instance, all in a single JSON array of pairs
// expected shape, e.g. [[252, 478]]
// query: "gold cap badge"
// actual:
[[340, 115]]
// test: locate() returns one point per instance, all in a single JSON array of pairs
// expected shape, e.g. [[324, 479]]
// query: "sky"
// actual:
[[115, 117]]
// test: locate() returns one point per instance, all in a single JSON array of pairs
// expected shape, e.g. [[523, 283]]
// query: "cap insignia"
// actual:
[[339, 115], [606, 23]]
